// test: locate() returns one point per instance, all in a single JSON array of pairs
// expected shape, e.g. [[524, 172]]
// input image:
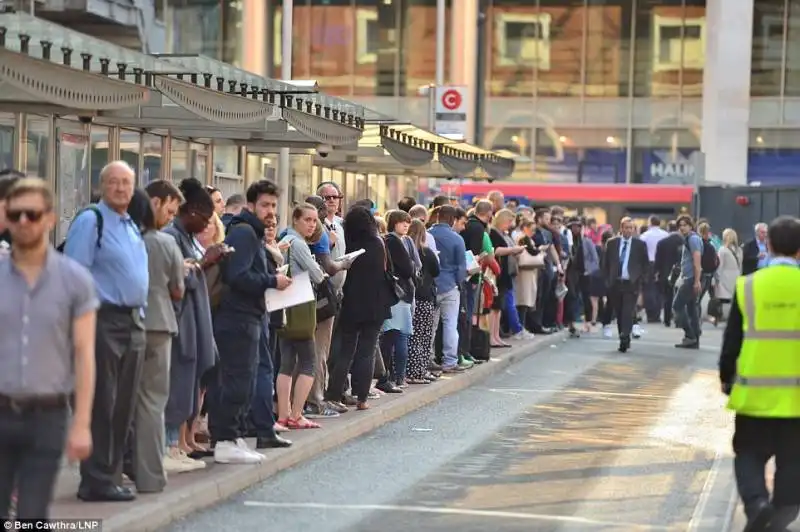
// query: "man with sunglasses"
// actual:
[[47, 329]]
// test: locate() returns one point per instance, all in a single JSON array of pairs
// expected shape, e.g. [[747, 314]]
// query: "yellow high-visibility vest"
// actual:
[[768, 369]]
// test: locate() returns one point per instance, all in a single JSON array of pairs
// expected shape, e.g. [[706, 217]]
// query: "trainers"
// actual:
[[607, 333], [177, 461], [452, 369], [637, 330], [318, 412], [235, 452], [466, 364], [339, 407]]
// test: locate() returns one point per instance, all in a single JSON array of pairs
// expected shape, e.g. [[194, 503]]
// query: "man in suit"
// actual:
[[624, 270], [667, 267], [755, 254]]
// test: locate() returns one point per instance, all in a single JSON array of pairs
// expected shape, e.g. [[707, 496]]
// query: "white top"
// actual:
[[430, 242], [651, 238]]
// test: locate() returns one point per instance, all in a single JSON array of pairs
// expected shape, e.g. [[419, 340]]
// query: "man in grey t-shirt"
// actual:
[[685, 304]]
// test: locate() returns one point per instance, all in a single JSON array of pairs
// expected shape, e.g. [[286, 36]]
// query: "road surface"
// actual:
[[574, 438]]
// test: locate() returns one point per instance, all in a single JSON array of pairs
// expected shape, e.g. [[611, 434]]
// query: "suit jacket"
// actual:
[[750, 257], [638, 261], [668, 254]]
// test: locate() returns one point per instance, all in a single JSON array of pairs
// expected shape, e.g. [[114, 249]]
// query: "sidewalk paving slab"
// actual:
[[188, 492]]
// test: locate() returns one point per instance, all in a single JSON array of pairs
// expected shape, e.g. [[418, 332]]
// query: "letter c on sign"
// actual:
[[451, 99]]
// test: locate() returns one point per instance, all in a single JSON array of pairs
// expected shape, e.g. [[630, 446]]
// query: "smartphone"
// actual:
[[283, 269]]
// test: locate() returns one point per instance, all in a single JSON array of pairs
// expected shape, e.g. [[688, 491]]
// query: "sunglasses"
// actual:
[[329, 198], [31, 215]]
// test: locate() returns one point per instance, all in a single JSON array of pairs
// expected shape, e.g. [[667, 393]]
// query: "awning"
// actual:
[[389, 146], [118, 86]]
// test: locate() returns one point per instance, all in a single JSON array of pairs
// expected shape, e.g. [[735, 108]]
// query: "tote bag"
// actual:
[[301, 320]]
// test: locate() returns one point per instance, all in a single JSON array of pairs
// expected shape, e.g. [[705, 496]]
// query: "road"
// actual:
[[574, 438]]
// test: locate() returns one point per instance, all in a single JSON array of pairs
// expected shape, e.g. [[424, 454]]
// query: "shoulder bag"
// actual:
[[301, 320]]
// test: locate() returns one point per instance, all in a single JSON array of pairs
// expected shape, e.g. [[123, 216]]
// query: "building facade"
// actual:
[[580, 90]]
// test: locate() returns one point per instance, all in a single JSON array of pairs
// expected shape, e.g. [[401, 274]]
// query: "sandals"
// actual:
[[418, 381], [301, 423], [362, 406]]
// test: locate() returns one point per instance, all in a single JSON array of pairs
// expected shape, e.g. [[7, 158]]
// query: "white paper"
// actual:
[[352, 255], [297, 293], [472, 263]]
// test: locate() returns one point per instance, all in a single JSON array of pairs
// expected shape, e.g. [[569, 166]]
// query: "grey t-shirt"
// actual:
[[693, 243], [165, 263]]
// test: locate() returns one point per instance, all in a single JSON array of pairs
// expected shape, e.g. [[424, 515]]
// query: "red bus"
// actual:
[[606, 203]]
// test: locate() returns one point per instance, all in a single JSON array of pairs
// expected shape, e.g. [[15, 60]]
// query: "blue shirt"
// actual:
[[693, 244], [119, 266], [323, 246], [624, 256], [762, 248], [452, 258]]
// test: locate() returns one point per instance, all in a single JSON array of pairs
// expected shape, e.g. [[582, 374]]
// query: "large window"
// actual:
[[767, 48], [207, 27], [523, 39]]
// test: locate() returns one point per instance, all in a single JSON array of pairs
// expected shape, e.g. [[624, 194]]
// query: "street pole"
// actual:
[[441, 11], [480, 73], [284, 160]]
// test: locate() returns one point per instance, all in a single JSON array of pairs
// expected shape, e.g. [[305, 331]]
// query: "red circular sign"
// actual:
[[451, 99]]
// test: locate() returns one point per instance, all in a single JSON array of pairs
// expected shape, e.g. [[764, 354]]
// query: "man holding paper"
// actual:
[[238, 322]]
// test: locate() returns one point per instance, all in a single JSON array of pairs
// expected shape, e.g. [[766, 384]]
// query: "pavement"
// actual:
[[575, 438], [189, 493]]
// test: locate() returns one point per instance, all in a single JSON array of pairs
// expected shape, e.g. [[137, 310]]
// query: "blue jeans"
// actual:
[[449, 304], [685, 309], [394, 349], [261, 408], [172, 435], [510, 308]]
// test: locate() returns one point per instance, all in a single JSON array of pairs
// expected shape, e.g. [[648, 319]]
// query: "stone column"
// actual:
[[726, 90]]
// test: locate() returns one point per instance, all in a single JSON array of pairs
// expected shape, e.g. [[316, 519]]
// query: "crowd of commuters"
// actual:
[[159, 292]]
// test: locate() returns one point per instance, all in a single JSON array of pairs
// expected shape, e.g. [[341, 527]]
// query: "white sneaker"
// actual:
[[636, 332], [528, 335], [176, 461], [232, 452], [607, 333], [243, 445], [519, 336]]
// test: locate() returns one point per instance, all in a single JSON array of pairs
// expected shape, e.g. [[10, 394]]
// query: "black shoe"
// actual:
[[273, 442], [688, 343], [624, 344], [110, 494], [543, 330], [388, 387], [760, 517]]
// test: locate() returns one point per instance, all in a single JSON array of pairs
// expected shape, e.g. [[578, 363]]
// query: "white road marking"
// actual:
[[515, 391], [452, 511], [705, 494]]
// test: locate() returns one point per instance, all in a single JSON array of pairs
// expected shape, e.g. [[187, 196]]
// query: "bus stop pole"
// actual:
[[284, 159]]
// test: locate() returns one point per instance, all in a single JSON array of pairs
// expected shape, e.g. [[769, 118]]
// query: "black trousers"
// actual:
[[544, 286], [755, 442], [31, 445], [667, 297], [238, 337], [119, 355], [354, 353], [622, 296]]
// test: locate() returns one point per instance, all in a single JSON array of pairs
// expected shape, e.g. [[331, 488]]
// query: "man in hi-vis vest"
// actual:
[[760, 370]]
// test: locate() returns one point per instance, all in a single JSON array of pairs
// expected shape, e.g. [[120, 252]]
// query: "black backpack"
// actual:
[[97, 215], [709, 260]]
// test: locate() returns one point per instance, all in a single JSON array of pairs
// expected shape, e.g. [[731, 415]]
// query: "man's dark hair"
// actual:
[[235, 201], [319, 203], [141, 211], [460, 213], [366, 203], [406, 203], [655, 221], [539, 214], [685, 218], [8, 177], [440, 200], [260, 188], [163, 189], [672, 226], [447, 215], [196, 197], [395, 217], [784, 236]]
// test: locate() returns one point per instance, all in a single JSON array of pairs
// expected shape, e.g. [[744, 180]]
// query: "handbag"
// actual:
[[480, 347], [527, 262], [391, 278], [301, 320], [327, 301]]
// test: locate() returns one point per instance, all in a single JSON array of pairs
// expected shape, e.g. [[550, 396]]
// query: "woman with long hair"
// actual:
[[366, 303], [298, 353], [419, 345], [506, 251], [214, 233], [729, 269], [194, 351]]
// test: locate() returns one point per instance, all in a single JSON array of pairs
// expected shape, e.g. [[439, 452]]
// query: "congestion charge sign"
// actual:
[[451, 111]]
